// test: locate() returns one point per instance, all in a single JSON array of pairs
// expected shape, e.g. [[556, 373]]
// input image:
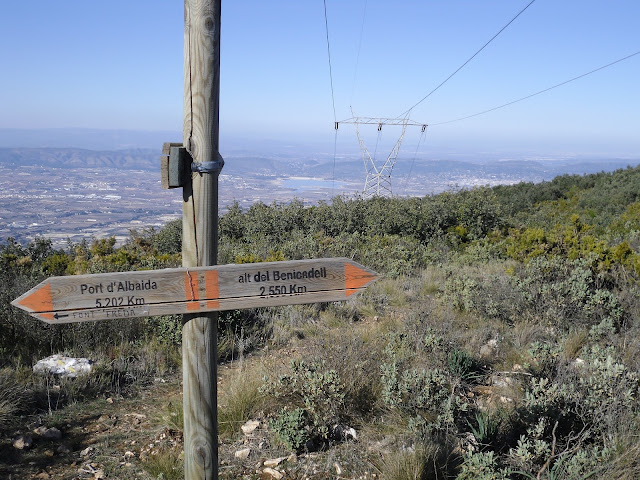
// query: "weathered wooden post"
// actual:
[[200, 231]]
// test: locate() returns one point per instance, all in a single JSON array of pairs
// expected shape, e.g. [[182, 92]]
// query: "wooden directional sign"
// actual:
[[81, 298]]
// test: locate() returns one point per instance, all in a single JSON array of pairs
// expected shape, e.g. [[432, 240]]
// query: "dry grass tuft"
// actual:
[[420, 462], [14, 396], [167, 464], [574, 343], [241, 400]]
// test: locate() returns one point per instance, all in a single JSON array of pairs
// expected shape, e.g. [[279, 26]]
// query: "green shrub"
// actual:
[[482, 466], [565, 292], [461, 292], [292, 428], [545, 357], [166, 328], [608, 389], [485, 427], [570, 420], [425, 396], [462, 365], [315, 390]]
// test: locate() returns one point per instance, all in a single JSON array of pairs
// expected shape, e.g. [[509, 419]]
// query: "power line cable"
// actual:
[[540, 92], [355, 70], [333, 100], [415, 156], [333, 175], [326, 27], [465, 63]]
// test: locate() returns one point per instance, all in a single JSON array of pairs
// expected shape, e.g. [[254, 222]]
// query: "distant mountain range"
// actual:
[[320, 166], [79, 158], [67, 183], [70, 148], [147, 159]]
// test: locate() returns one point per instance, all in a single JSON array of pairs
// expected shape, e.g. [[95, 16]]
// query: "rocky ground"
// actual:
[[137, 436], [105, 438]]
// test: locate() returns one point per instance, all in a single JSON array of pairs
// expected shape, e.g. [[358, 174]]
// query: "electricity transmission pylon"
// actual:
[[378, 180]]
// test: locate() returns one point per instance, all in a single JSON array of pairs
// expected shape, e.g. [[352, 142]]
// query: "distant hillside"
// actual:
[[79, 158], [255, 165], [146, 159], [455, 171]]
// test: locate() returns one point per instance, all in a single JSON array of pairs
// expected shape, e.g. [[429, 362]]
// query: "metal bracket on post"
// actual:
[[209, 167], [174, 165]]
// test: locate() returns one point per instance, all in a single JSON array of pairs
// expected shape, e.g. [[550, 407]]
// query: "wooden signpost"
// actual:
[[104, 296], [200, 288]]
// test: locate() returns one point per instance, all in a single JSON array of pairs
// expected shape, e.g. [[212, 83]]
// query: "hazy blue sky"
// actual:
[[118, 64]]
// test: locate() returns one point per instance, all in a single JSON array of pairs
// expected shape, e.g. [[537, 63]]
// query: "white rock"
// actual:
[[344, 432], [274, 462], [86, 451], [63, 366], [577, 363], [487, 352], [489, 349], [242, 454], [273, 473], [502, 381], [250, 426], [23, 442]]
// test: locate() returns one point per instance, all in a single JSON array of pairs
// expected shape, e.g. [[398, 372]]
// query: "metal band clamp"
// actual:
[[208, 167]]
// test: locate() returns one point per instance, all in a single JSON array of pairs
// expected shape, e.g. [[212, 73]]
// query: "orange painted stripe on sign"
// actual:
[[211, 288], [40, 300], [191, 294], [355, 278]]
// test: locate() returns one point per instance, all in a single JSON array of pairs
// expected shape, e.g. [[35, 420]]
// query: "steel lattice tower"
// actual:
[[378, 180]]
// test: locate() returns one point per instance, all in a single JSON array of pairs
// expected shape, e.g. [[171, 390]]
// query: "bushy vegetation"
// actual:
[[501, 341]]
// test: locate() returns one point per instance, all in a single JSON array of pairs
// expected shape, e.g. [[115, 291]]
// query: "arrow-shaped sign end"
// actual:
[[357, 277], [37, 299]]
